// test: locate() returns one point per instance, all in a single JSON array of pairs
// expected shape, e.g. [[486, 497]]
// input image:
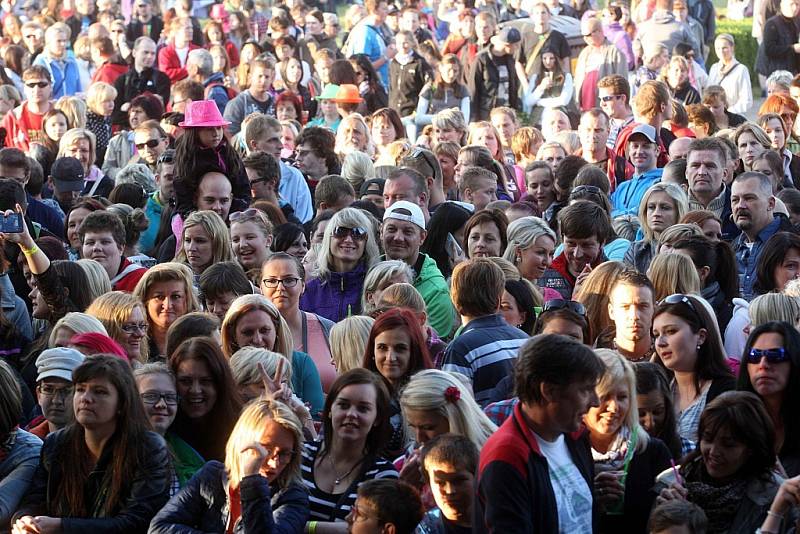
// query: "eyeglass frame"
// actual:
[[159, 398], [140, 327], [62, 392], [278, 281], [769, 354], [560, 304]]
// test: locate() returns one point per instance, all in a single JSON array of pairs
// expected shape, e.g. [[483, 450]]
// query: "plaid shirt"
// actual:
[[499, 411]]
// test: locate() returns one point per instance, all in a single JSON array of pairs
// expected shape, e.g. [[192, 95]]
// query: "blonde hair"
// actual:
[[402, 295], [79, 323], [73, 136], [357, 168], [167, 272], [774, 307], [378, 275], [568, 139], [99, 283], [249, 429], [678, 231], [98, 93], [217, 232], [284, 344], [359, 121], [680, 202], [259, 218], [594, 292], [348, 340], [115, 308], [75, 110], [673, 273], [522, 234], [619, 371], [9, 92], [432, 390], [244, 365], [351, 218]]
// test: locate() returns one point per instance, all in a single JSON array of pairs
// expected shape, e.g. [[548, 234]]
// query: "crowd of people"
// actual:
[[443, 267]]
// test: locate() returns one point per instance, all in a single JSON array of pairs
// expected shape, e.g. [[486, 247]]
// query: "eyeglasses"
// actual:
[[609, 98], [150, 143], [559, 304], [272, 283], [772, 355], [50, 391], [132, 328], [249, 212], [40, 85], [152, 398], [357, 233], [277, 454]]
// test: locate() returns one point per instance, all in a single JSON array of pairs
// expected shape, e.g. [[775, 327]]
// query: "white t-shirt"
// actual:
[[183, 53], [573, 496]]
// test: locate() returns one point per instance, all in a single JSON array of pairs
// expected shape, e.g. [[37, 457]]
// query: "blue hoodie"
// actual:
[[337, 296], [628, 195]]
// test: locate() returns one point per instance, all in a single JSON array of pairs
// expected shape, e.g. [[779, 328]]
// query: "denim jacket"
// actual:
[[16, 471]]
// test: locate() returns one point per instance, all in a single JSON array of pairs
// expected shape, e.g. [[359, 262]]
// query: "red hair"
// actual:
[[96, 343], [774, 103], [404, 319], [293, 98]]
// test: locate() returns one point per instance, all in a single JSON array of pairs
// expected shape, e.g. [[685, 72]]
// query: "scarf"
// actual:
[[614, 458], [720, 502]]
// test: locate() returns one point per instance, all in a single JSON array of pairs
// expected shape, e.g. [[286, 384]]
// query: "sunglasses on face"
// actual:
[[150, 143], [40, 85], [772, 355], [357, 233], [558, 304]]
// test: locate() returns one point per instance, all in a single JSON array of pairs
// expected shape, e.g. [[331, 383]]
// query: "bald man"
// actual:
[[598, 60], [679, 148]]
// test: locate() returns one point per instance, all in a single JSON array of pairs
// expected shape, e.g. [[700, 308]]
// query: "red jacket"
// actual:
[[109, 72], [127, 282], [170, 64]]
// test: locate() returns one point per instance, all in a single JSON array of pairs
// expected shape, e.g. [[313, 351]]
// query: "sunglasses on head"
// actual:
[[357, 233], [41, 85], [772, 355], [150, 143], [559, 304], [236, 215], [678, 298]]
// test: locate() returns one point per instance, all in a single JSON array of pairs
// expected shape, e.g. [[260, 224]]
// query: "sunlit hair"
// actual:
[[167, 272], [678, 231], [115, 309], [620, 372], [99, 283], [673, 273], [244, 365], [74, 135], [774, 307], [442, 393], [79, 323], [243, 305], [680, 203], [349, 218], [217, 233], [402, 295], [523, 233], [358, 122], [593, 294], [348, 340], [474, 127], [756, 131], [249, 429], [259, 218], [381, 275]]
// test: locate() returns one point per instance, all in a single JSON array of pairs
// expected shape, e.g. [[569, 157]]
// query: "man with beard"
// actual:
[[753, 208], [402, 234], [631, 303]]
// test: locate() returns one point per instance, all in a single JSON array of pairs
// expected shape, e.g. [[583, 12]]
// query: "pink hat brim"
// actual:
[[213, 124]]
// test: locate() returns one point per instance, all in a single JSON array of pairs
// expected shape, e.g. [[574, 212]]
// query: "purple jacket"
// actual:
[[336, 297], [617, 36]]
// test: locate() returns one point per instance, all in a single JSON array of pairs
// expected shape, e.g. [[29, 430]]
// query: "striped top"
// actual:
[[335, 506]]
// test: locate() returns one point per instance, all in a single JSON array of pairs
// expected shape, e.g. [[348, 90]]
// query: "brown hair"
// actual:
[[477, 287]]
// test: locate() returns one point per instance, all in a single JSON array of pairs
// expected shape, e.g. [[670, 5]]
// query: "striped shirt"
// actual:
[[326, 506]]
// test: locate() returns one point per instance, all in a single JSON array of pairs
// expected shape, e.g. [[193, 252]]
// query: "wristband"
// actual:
[[775, 514], [29, 251], [312, 527]]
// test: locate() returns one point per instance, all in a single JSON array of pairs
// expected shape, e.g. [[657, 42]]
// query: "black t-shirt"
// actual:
[[554, 41]]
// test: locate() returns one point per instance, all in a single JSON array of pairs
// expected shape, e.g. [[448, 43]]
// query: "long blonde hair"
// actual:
[[217, 232], [249, 429], [619, 371], [673, 273], [284, 344], [348, 339], [113, 310], [594, 292]]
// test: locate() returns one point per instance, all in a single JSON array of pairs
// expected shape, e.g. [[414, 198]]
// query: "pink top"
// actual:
[[317, 348]]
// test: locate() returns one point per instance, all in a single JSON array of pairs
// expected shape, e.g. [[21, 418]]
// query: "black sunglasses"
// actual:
[[40, 85], [678, 298], [772, 355], [167, 157], [357, 233], [559, 304], [150, 143]]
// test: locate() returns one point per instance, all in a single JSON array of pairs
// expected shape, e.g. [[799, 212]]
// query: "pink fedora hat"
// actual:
[[202, 114]]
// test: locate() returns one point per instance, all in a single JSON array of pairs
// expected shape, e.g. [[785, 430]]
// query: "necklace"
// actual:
[[339, 478]]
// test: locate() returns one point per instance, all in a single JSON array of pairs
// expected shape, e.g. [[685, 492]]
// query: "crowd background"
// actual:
[[433, 267]]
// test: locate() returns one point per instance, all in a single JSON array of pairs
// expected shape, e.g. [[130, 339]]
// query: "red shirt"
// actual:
[[23, 127]]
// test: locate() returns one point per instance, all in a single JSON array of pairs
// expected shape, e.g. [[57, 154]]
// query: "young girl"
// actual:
[[328, 114], [54, 125], [484, 134], [100, 101], [291, 72], [215, 35], [548, 87], [204, 147], [445, 92], [222, 63]]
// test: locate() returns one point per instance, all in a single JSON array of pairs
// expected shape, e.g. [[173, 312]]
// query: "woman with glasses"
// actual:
[[258, 488], [251, 237], [355, 431], [121, 147], [662, 206], [771, 370], [204, 242], [283, 282], [688, 343], [125, 320], [349, 248], [159, 394], [105, 472], [167, 293], [253, 321]]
